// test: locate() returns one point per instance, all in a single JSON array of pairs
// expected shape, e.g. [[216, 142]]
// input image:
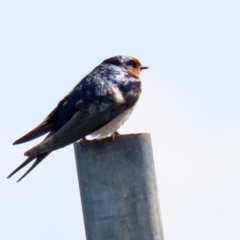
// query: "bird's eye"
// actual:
[[132, 63]]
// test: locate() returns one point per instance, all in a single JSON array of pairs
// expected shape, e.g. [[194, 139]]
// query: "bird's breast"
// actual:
[[112, 126]]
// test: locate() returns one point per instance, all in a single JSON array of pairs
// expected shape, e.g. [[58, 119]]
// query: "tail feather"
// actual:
[[28, 160], [37, 161]]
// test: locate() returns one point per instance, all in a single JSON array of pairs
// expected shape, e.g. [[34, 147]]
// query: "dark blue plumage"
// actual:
[[98, 105], [91, 91], [66, 111]]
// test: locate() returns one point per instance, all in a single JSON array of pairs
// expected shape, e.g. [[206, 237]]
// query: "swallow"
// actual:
[[97, 106]]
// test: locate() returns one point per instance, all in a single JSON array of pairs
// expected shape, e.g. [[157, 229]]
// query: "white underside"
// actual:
[[111, 127]]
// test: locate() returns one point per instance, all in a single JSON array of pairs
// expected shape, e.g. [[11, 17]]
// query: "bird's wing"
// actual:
[[44, 127], [81, 124]]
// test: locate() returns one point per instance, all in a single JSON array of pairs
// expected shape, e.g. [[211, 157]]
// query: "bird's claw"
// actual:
[[114, 135], [83, 142]]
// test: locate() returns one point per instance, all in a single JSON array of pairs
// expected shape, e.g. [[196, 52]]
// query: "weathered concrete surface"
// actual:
[[118, 189]]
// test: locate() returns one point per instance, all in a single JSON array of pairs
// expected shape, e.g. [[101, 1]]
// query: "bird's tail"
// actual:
[[27, 161]]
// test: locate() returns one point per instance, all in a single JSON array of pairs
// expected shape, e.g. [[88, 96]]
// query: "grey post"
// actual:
[[118, 189]]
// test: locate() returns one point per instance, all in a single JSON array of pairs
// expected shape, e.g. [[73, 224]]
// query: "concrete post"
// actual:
[[118, 189]]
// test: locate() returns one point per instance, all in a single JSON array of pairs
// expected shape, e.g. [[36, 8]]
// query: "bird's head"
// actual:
[[131, 64]]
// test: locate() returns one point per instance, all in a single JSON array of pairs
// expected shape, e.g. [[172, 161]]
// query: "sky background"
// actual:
[[190, 105]]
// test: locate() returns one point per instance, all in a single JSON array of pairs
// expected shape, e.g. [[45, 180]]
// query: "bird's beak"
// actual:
[[143, 67]]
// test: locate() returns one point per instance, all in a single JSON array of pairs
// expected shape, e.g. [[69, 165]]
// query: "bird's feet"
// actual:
[[114, 135], [83, 142]]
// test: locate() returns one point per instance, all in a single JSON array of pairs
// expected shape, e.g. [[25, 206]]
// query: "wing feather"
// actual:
[[81, 125]]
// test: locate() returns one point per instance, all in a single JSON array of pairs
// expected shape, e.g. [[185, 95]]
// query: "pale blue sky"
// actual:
[[190, 104]]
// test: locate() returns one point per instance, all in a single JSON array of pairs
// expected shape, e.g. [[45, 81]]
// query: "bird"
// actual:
[[96, 107]]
